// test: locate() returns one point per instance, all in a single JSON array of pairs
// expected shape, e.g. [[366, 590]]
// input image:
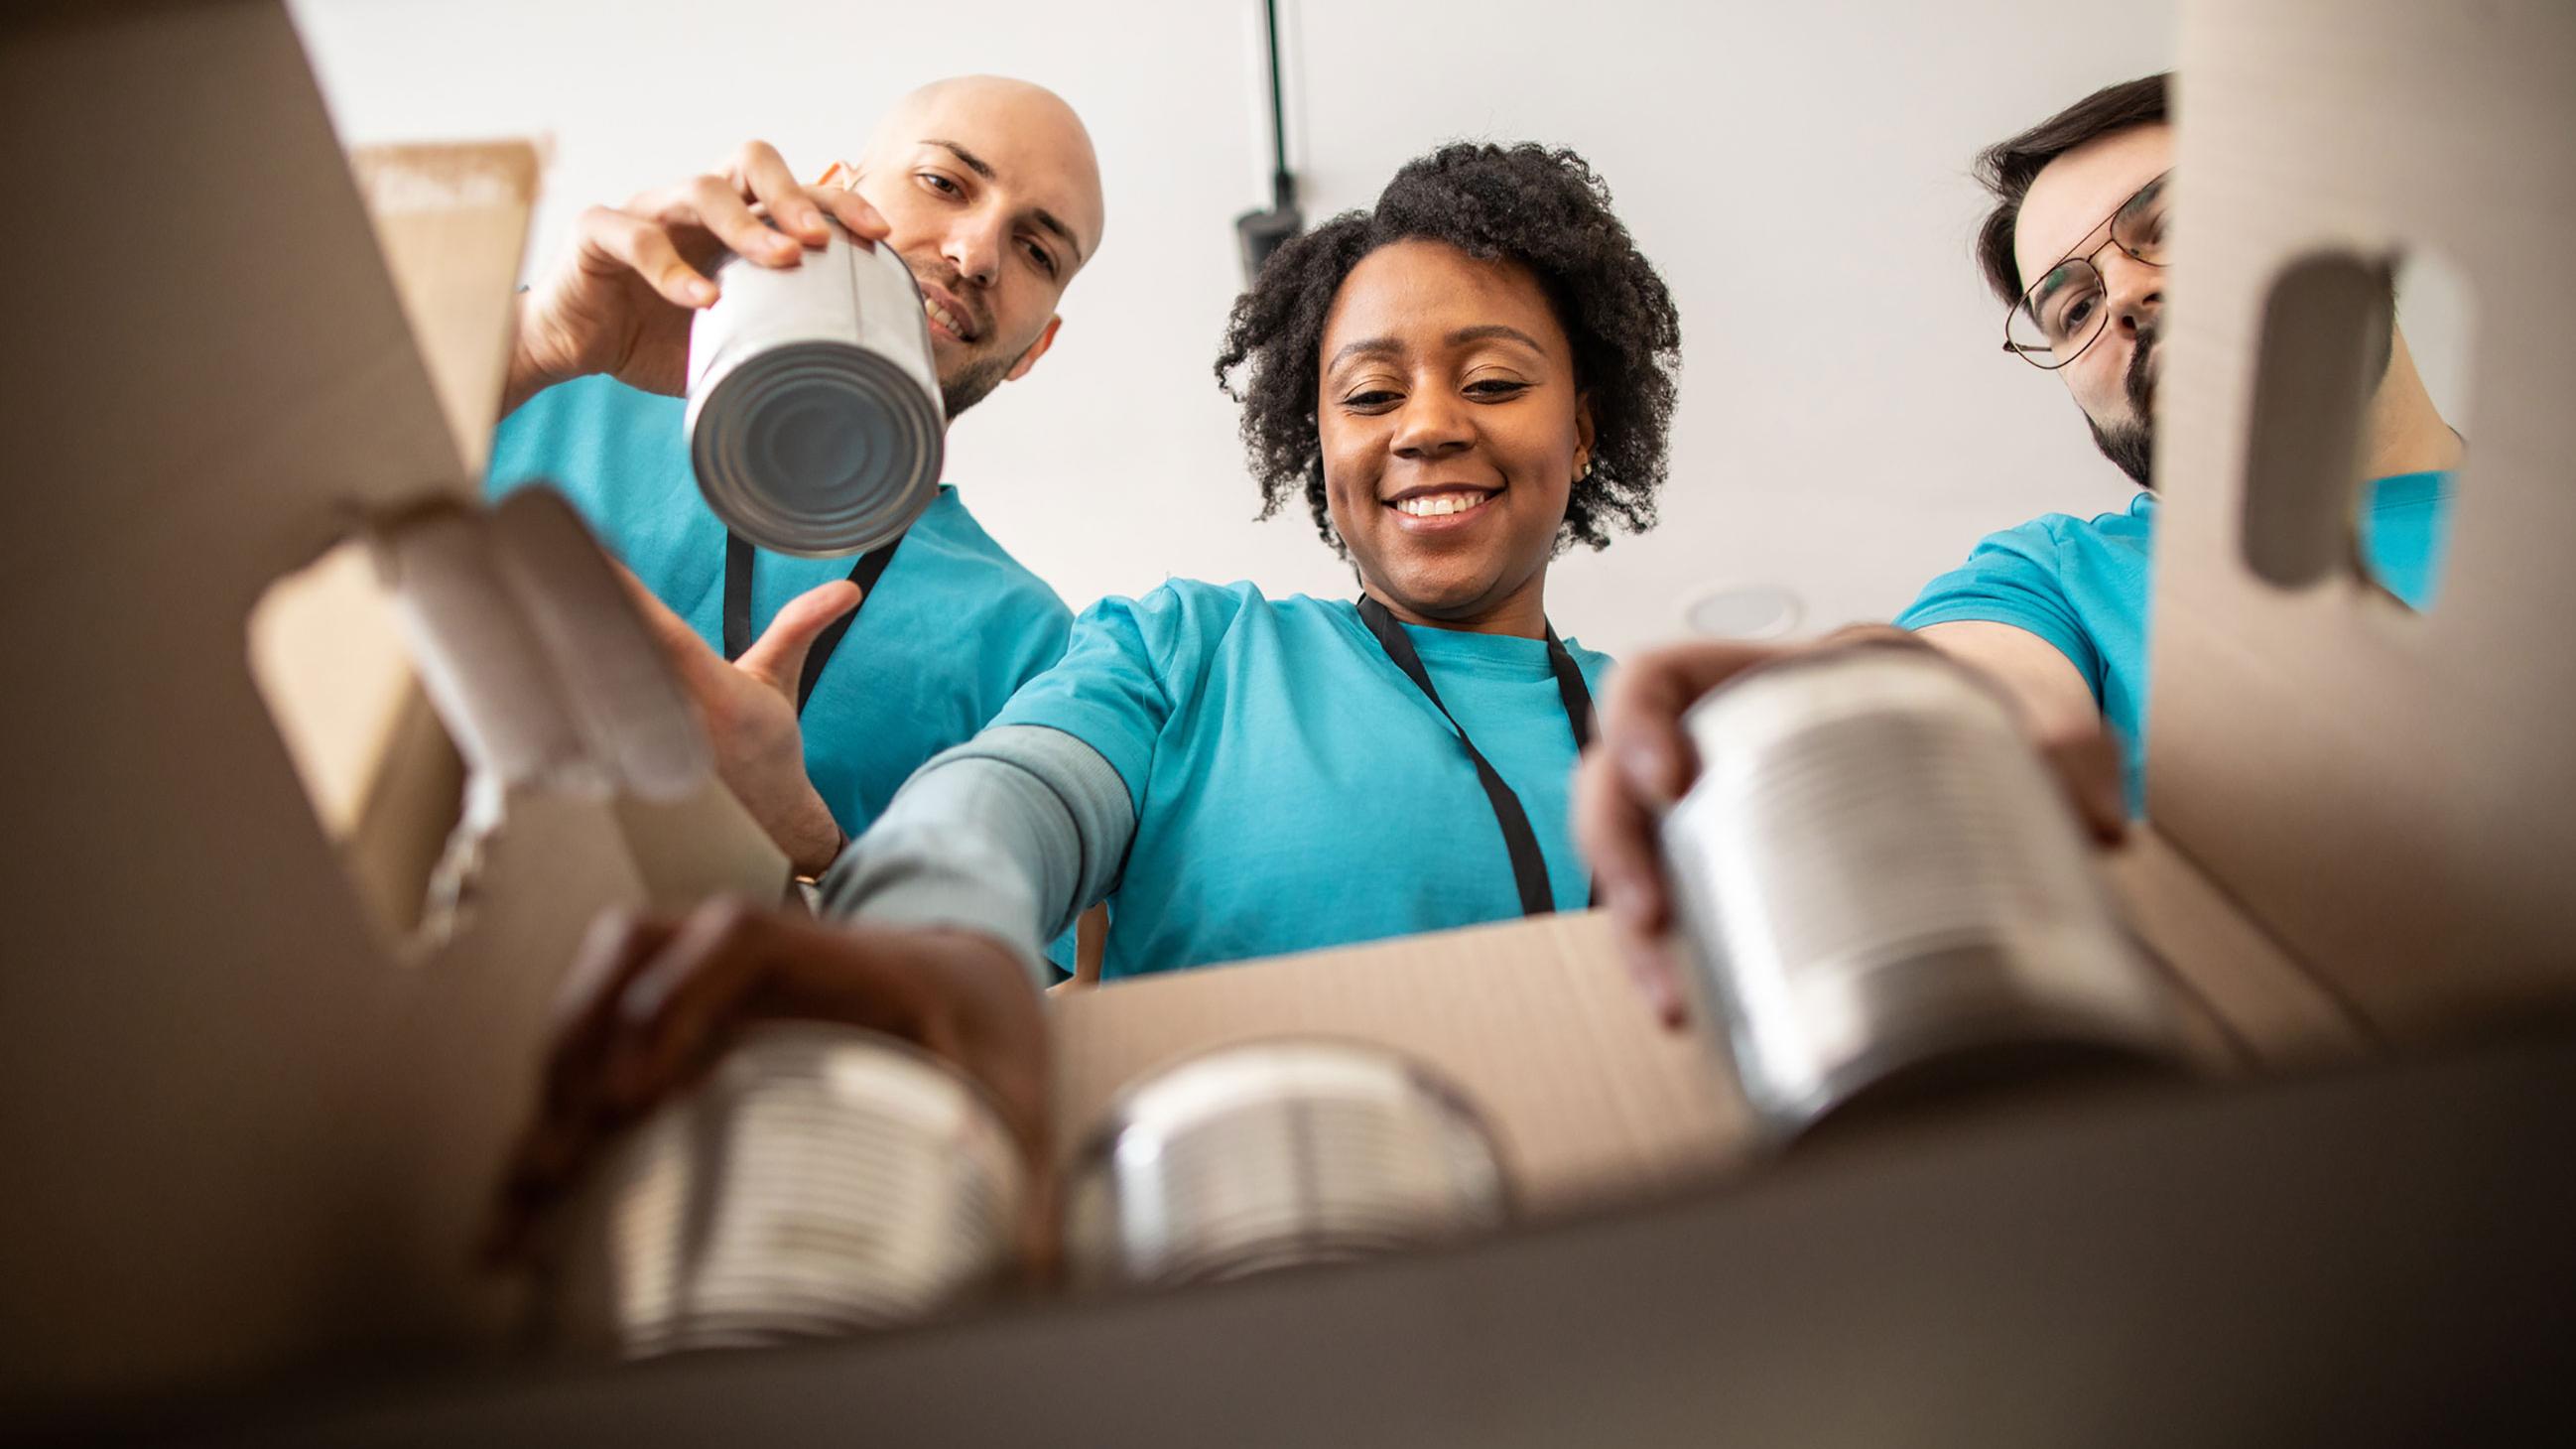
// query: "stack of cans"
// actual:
[[1885, 888], [826, 1180], [815, 419], [1277, 1155]]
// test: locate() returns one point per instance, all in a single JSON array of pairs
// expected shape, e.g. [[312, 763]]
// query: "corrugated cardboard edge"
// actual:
[[1594, 1100], [453, 222], [2250, 1003]]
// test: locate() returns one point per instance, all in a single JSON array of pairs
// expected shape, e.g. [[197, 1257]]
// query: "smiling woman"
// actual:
[[1528, 210], [1462, 381]]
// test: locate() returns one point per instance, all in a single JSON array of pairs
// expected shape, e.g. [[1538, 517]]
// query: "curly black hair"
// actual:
[[1542, 208]]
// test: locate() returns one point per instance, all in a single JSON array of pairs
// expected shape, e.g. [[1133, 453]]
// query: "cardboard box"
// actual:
[[252, 1116], [1591, 1099], [254, 1090], [2391, 796]]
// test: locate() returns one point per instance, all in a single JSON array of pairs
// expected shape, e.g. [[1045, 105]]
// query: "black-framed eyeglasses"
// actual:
[[2063, 312]]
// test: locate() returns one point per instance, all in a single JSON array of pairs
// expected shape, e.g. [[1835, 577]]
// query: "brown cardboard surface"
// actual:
[[324, 650], [204, 1042], [249, 1129], [325, 646], [453, 223], [2391, 795], [1591, 1098], [2248, 1001], [248, 1135], [1593, 1101]]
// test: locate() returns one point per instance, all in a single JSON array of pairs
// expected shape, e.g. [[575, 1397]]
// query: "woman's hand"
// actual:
[[651, 1005], [620, 299]]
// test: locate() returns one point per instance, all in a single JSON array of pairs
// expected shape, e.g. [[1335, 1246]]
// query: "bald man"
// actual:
[[989, 191]]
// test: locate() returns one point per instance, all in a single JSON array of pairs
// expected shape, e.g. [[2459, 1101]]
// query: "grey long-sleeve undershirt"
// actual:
[[1013, 833]]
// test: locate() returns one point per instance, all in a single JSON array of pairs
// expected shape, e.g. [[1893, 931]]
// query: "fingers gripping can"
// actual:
[[1882, 885], [815, 421]]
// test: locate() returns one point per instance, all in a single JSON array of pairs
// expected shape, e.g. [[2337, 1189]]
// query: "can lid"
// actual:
[[818, 449]]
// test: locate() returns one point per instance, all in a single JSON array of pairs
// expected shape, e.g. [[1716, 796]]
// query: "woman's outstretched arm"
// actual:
[[1012, 834]]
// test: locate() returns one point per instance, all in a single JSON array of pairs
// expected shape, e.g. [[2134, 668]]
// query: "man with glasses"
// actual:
[[2075, 248], [2055, 610]]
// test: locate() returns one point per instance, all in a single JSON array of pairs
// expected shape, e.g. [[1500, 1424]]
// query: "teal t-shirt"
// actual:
[[1293, 789], [2084, 586], [953, 627]]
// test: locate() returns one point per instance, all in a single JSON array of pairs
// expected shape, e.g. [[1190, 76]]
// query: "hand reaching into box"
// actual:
[[652, 1004], [1641, 763]]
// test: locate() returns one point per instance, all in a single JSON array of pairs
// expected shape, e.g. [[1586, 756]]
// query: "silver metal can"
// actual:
[[1275, 1155], [1883, 887], [815, 421], [824, 1180]]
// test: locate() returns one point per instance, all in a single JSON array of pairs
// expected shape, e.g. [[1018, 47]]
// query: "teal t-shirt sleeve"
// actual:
[[1109, 690], [2403, 527], [2012, 577], [1042, 642]]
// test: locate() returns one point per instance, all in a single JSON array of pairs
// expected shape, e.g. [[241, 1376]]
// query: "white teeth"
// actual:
[[940, 315], [1436, 505]]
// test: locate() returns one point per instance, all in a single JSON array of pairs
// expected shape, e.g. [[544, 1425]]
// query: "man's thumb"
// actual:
[[700, 668], [778, 656]]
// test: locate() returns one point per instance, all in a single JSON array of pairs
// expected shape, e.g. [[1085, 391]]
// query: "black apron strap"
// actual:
[[1577, 698], [1571, 690], [739, 559], [1529, 866], [737, 597], [865, 573]]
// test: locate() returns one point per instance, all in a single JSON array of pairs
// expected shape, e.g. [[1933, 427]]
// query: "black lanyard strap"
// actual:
[[1529, 867], [739, 559]]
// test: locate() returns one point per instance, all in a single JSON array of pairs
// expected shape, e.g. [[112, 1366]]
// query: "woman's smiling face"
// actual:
[[1451, 433]]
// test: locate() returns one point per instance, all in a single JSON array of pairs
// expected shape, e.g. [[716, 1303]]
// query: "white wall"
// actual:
[[1799, 172]]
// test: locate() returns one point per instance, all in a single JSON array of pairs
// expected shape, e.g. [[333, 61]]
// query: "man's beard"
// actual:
[[2131, 444], [972, 383], [973, 380]]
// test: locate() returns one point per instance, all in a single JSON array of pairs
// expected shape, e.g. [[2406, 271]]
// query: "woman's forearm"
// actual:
[[1013, 834]]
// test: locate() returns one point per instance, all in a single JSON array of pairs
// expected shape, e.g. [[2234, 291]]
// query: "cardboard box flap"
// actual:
[[478, 654], [633, 717], [2390, 794], [2248, 1003], [201, 1026], [550, 683], [244, 341], [453, 223], [613, 686], [262, 1135]]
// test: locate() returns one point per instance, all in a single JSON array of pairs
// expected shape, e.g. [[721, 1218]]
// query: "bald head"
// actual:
[[1026, 134], [992, 195]]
